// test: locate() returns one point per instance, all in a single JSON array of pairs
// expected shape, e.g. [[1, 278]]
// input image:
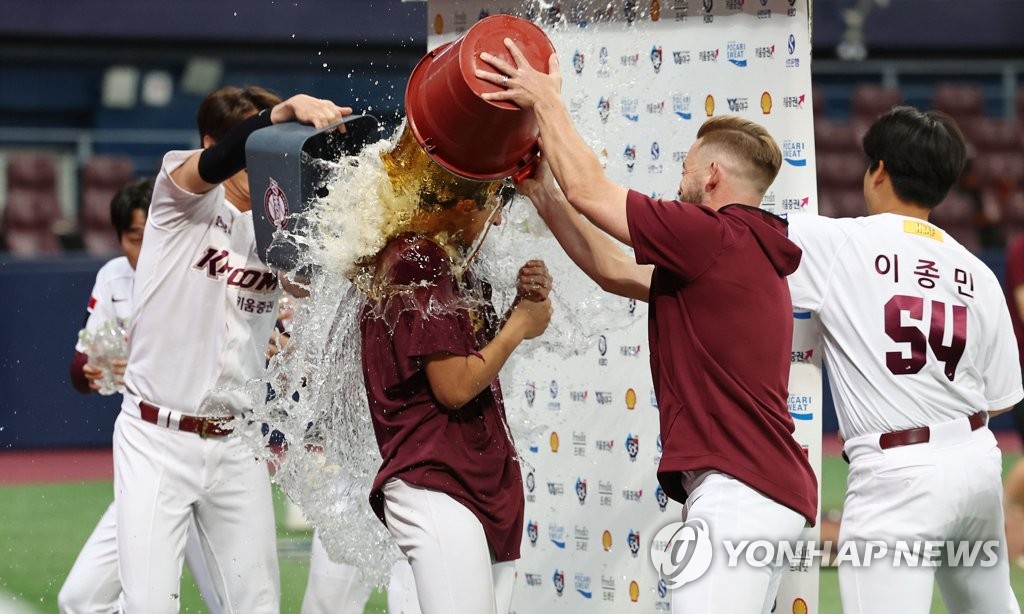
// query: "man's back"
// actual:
[[914, 323]]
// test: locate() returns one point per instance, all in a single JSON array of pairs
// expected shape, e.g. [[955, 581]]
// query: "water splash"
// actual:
[[313, 392]]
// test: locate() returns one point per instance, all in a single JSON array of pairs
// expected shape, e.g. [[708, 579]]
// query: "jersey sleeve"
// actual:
[[1002, 369], [820, 239], [681, 237], [429, 315], [173, 206], [100, 309]]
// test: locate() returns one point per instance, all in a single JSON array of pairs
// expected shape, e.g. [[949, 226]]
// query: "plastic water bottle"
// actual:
[[108, 343]]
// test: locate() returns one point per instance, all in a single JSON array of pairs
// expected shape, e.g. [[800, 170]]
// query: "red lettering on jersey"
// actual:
[[247, 280], [268, 282], [215, 262], [913, 306]]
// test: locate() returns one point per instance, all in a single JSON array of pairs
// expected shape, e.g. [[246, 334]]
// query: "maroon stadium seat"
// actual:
[[992, 135], [836, 136], [101, 178], [32, 206], [871, 100], [1005, 168], [961, 100], [841, 170], [841, 203], [957, 215]]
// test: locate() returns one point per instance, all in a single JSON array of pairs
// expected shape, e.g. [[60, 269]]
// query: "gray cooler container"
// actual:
[[284, 178]]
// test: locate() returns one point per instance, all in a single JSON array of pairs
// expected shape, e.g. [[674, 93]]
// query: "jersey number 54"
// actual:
[[914, 307]]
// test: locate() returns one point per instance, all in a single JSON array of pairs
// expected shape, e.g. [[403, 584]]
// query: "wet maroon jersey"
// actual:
[[466, 453]]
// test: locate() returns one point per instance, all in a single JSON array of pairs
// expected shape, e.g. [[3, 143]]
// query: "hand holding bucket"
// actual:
[[471, 136]]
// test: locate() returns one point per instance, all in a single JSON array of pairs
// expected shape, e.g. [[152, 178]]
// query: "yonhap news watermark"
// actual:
[[682, 552]]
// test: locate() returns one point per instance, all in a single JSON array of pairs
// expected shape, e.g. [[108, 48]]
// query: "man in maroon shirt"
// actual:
[[449, 489], [713, 268]]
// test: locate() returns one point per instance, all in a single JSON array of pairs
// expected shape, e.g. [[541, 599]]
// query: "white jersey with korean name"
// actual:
[[111, 297], [205, 305], [916, 328]]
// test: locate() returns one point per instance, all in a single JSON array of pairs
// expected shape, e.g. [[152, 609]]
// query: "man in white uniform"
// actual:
[[205, 307], [920, 353], [92, 585]]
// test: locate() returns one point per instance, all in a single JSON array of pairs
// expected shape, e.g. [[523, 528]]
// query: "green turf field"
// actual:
[[42, 528]]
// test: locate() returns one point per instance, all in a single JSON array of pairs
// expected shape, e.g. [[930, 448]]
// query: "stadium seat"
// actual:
[[957, 215], [961, 100], [836, 136], [871, 100], [101, 178], [1014, 215], [991, 135], [841, 203], [32, 206], [818, 102], [1000, 168], [841, 170]]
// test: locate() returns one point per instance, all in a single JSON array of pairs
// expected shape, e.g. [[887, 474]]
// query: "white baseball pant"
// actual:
[[333, 588], [447, 549], [337, 588], [164, 476], [946, 489], [93, 586], [734, 511]]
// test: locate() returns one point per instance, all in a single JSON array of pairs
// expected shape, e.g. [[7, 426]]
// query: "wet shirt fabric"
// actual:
[[721, 329], [465, 453]]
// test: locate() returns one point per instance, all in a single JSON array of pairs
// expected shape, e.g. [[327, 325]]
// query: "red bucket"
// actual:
[[469, 136]]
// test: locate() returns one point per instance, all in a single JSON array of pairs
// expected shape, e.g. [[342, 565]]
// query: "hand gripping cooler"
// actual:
[[284, 178]]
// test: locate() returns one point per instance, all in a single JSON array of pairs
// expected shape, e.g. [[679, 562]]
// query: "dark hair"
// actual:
[[132, 196], [226, 107], [924, 153]]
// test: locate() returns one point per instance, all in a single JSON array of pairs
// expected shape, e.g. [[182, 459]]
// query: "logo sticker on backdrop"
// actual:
[[632, 446], [583, 585], [578, 61], [656, 58], [736, 53], [581, 490], [530, 392], [709, 105], [800, 407], [793, 152], [275, 203], [633, 541], [661, 498]]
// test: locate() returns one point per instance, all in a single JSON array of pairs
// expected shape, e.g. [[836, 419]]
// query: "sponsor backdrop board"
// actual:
[[640, 78]]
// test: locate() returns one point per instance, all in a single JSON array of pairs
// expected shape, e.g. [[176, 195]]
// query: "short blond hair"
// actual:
[[748, 142]]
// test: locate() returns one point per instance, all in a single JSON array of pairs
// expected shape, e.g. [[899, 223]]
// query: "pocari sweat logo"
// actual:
[[793, 153], [681, 552], [681, 105], [736, 53]]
